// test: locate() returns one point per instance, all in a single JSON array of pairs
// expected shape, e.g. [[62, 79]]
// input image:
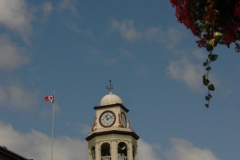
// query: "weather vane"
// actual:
[[109, 88]]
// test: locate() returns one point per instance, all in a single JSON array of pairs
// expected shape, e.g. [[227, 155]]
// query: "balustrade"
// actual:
[[122, 157], [106, 158]]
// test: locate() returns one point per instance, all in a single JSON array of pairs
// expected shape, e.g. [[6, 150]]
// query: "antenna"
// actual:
[[110, 87]]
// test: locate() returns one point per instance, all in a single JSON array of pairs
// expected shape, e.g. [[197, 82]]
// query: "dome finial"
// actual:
[[110, 87]]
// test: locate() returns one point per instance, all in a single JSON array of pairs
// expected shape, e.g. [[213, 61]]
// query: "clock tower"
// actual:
[[111, 137]]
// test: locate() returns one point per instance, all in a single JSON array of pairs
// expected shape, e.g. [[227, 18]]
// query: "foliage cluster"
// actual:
[[213, 22]]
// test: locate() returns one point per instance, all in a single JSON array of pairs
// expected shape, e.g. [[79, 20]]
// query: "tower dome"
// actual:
[[110, 99]]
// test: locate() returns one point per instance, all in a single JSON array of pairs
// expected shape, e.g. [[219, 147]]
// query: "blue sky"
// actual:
[[75, 47]]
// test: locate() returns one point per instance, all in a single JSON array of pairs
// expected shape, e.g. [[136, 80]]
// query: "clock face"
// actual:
[[107, 119], [124, 120]]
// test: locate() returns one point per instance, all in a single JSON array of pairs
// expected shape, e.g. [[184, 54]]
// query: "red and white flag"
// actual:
[[49, 98]]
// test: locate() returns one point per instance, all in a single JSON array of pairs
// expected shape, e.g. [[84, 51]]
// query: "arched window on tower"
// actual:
[[105, 151], [93, 153], [122, 151]]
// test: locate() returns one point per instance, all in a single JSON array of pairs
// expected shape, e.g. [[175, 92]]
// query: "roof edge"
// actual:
[[133, 134], [112, 105]]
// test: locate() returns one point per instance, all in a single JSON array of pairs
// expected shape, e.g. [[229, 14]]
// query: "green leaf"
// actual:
[[204, 76], [207, 105], [213, 57], [211, 87], [205, 82], [209, 55], [216, 11], [218, 35], [210, 95], [206, 8], [205, 63], [208, 68], [212, 42], [207, 98], [205, 27], [209, 47]]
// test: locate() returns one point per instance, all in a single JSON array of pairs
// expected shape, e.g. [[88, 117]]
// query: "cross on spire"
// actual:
[[110, 87]]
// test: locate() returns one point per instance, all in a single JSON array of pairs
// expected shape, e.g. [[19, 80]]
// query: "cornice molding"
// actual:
[[112, 105], [133, 134]]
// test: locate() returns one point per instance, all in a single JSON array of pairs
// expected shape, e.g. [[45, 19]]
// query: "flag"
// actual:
[[49, 98]]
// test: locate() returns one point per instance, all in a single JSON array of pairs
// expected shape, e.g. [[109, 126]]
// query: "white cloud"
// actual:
[[126, 29], [126, 54], [84, 129], [80, 128], [68, 5], [169, 38], [154, 33], [14, 16], [170, 35], [174, 35], [36, 145], [198, 54], [187, 72], [109, 61], [10, 57], [21, 98], [146, 151], [46, 112], [16, 97], [47, 9], [188, 68], [76, 28], [3, 96], [183, 150]]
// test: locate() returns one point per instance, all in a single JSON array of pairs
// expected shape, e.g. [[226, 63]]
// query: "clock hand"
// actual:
[[107, 117]]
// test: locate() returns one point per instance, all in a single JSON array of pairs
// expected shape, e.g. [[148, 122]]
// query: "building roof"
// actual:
[[110, 99], [6, 154]]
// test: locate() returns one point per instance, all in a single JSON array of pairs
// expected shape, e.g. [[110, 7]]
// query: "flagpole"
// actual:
[[52, 123]]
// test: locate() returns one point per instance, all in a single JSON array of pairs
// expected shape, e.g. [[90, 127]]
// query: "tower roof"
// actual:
[[110, 99]]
